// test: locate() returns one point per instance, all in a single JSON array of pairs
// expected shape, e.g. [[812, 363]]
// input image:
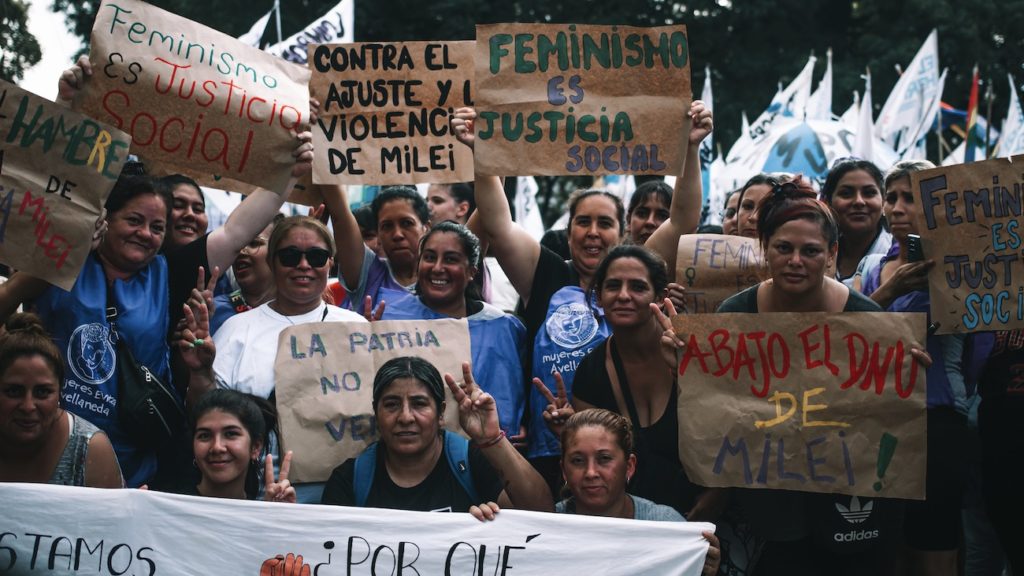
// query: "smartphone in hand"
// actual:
[[914, 252]]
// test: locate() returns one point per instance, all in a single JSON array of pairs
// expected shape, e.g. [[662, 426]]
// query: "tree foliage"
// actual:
[[19, 49]]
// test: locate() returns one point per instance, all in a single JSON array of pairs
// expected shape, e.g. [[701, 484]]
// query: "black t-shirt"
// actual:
[[182, 269], [551, 275], [659, 475], [440, 491], [746, 301]]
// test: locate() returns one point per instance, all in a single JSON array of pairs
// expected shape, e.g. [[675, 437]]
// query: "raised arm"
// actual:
[[258, 210], [19, 289], [687, 196], [478, 414], [515, 249], [346, 233]]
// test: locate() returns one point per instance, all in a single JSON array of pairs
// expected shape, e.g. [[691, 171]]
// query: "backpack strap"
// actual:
[[457, 450], [362, 479]]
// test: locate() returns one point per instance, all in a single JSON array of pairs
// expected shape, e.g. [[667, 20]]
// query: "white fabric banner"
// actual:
[[527, 211], [83, 531], [906, 108], [337, 26]]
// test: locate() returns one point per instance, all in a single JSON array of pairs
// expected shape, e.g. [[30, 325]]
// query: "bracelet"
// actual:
[[492, 441]]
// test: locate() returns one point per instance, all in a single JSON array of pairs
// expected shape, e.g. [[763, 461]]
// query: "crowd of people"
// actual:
[[569, 401]]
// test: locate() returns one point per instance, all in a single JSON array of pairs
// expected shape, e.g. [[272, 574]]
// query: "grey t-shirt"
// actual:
[[643, 509]]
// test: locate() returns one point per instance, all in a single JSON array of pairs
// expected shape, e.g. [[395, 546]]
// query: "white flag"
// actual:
[[253, 36], [706, 148], [819, 106], [852, 113], [908, 103], [527, 211], [789, 101], [917, 150], [1012, 140], [863, 140], [336, 26]]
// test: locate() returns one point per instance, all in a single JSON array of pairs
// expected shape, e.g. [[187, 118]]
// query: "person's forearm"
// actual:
[[20, 288], [200, 382], [244, 224], [346, 232], [524, 486]]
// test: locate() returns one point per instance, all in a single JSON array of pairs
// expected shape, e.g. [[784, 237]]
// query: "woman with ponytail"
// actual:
[[39, 440]]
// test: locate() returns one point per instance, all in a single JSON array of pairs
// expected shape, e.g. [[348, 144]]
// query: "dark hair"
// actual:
[[408, 367], [131, 184], [844, 167], [762, 178], [257, 415], [470, 248], [657, 188], [407, 193], [579, 195], [904, 168], [174, 180], [24, 335], [461, 192], [365, 218], [615, 424], [656, 269], [794, 200], [285, 225]]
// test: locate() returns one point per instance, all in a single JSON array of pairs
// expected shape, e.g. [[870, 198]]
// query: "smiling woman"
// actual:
[[445, 289], [188, 211], [299, 255], [39, 441]]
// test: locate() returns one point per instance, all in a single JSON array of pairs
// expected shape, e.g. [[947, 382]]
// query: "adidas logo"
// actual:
[[856, 513]]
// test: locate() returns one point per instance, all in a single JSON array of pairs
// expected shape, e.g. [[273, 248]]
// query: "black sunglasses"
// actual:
[[291, 256]]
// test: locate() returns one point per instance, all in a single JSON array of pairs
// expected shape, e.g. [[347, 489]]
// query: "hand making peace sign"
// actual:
[[280, 490], [478, 413], [559, 409]]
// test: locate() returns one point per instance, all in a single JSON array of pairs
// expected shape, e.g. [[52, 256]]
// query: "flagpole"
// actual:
[[277, 18], [989, 99]]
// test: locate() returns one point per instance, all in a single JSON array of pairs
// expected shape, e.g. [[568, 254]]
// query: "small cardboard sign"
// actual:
[[324, 383], [57, 168], [713, 267], [969, 222]]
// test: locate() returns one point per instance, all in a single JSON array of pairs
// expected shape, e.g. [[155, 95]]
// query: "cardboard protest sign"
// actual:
[[813, 402], [57, 168], [51, 530], [195, 101], [969, 224], [385, 112], [556, 99], [324, 381], [713, 267]]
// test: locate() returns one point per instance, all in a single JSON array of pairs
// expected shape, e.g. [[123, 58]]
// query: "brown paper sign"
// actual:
[[195, 101], [385, 112], [56, 169], [812, 402], [713, 267], [969, 224], [557, 99], [324, 382]]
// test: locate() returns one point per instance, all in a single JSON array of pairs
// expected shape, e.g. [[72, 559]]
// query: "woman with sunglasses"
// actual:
[[300, 253]]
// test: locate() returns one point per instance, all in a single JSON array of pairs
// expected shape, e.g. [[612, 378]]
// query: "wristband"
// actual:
[[492, 441]]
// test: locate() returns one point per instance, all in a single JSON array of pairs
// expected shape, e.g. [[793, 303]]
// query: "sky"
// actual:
[[58, 45]]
